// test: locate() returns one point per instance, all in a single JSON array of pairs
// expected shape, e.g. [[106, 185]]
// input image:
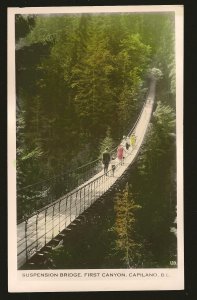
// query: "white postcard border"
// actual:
[[161, 279]]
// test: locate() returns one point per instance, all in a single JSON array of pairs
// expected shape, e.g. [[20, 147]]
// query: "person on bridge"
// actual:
[[113, 164], [126, 142], [120, 154], [133, 140], [106, 160]]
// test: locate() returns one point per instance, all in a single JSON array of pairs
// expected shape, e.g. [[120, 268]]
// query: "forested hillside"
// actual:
[[81, 79]]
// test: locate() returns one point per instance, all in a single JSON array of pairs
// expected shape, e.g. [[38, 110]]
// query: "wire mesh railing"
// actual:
[[36, 231], [38, 195]]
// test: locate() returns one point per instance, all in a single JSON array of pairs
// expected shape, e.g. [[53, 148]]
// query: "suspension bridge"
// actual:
[[46, 224]]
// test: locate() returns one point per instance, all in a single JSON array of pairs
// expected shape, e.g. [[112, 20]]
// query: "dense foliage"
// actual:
[[155, 186], [80, 82], [81, 79]]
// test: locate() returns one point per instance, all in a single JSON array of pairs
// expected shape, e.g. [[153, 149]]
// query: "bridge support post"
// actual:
[[37, 232], [80, 201], [26, 253], [53, 221], [45, 226], [65, 211], [59, 213], [76, 212], [84, 198], [70, 208]]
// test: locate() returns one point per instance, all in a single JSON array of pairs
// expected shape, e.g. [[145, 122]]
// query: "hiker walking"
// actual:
[[113, 164], [120, 153], [133, 140], [127, 143], [106, 159]]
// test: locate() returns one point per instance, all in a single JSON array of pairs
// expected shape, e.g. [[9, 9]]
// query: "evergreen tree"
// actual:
[[132, 65], [125, 244]]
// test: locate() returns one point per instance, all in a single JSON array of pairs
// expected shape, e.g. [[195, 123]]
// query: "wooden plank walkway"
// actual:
[[41, 228]]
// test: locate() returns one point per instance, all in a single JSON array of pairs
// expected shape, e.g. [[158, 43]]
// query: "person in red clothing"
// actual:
[[120, 153]]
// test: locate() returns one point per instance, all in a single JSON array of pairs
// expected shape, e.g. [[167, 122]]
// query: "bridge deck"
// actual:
[[41, 228]]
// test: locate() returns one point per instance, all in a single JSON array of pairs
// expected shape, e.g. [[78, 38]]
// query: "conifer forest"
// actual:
[[81, 81]]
